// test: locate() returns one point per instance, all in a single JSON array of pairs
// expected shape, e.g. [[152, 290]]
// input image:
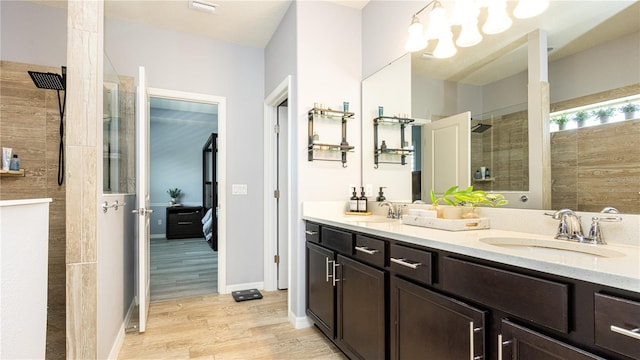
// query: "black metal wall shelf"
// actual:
[[326, 152], [402, 152]]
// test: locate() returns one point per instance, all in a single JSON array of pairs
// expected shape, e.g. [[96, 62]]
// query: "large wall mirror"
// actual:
[[592, 58]]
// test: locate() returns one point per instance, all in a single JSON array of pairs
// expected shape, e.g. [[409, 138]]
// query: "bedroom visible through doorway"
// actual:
[[183, 184]]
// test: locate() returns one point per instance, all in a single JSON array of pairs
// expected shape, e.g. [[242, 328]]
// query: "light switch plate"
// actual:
[[239, 189]]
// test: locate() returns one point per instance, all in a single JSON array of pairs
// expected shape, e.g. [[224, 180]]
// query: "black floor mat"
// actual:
[[243, 295]]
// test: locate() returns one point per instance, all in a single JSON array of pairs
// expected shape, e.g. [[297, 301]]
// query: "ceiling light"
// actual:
[[203, 6], [416, 40], [530, 8], [498, 19], [465, 14], [445, 48]]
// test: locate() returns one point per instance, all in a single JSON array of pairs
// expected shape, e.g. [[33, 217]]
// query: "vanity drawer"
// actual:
[[412, 263], [541, 301], [617, 325], [341, 241], [370, 250], [312, 232]]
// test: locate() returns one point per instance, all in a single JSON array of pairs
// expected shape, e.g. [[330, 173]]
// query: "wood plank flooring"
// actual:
[[182, 268], [216, 327]]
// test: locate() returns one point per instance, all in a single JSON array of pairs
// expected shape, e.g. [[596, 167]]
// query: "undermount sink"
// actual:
[[367, 219], [553, 247]]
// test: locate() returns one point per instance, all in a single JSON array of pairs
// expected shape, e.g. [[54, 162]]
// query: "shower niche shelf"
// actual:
[[329, 152], [12, 172], [484, 180], [385, 155]]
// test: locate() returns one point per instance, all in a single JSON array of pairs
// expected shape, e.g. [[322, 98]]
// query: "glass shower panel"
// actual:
[[118, 132]]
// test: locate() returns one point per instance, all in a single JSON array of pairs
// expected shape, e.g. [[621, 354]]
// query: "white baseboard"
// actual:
[[158, 236], [299, 322], [117, 344], [245, 286]]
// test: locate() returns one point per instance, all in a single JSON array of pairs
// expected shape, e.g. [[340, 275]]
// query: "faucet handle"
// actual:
[[595, 233]]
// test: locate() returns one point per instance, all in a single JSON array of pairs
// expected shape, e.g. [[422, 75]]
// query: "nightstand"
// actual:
[[184, 222]]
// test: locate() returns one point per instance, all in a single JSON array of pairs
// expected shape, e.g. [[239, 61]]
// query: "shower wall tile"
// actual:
[[30, 124], [81, 310]]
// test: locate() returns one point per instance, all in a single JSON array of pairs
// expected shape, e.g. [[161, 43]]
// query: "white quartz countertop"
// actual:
[[621, 271], [24, 202]]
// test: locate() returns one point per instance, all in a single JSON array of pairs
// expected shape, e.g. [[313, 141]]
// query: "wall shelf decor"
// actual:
[[12, 172], [326, 152], [397, 155]]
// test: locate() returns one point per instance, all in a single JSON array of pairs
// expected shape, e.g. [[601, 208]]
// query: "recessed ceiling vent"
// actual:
[[202, 5]]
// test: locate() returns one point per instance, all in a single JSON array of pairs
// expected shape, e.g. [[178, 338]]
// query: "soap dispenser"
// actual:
[[15, 163], [353, 201], [362, 201], [381, 194]]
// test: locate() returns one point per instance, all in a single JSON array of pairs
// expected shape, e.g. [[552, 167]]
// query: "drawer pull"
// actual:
[[635, 333], [472, 351], [185, 222], [311, 232], [403, 262], [366, 250], [501, 344]]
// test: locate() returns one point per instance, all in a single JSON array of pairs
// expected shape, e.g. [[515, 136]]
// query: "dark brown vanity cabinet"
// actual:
[[428, 325], [435, 304], [346, 297], [520, 343]]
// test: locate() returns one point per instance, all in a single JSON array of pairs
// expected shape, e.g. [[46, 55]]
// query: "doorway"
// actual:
[[182, 262], [277, 174]]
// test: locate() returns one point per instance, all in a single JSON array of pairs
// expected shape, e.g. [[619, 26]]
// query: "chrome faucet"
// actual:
[[570, 227], [395, 212]]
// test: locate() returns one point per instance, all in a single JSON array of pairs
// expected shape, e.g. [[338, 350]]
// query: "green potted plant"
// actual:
[[175, 194], [457, 198], [561, 121], [629, 110], [603, 114], [580, 117], [434, 204]]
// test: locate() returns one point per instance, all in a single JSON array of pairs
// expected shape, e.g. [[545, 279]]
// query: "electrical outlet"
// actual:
[[159, 221], [368, 190], [351, 186]]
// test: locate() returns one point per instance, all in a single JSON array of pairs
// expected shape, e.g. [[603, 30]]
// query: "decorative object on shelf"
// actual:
[[314, 148], [478, 175], [562, 121], [15, 163], [466, 14], [603, 114], [6, 158], [175, 194], [403, 151], [629, 110], [580, 117]]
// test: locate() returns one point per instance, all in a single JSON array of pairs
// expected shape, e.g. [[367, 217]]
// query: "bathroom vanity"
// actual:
[[380, 289]]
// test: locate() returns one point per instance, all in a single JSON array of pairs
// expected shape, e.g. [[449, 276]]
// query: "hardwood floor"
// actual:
[[182, 268], [218, 328]]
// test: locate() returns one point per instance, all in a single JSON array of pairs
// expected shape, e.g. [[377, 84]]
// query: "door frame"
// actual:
[[276, 97], [221, 101]]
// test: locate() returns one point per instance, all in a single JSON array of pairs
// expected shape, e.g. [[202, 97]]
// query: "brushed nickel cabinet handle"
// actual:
[[311, 232], [335, 269], [327, 269], [472, 351], [635, 333], [404, 263], [366, 250], [502, 344]]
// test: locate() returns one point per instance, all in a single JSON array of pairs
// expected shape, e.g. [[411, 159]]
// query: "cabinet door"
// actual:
[[519, 343], [428, 325], [320, 289], [361, 309]]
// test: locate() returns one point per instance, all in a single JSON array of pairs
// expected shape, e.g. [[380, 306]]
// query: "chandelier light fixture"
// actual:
[[465, 14]]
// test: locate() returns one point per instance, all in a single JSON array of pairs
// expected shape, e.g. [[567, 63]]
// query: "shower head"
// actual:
[[49, 80], [480, 128]]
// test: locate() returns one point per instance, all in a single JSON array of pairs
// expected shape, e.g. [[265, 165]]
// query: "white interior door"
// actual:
[[142, 210], [447, 159], [283, 199]]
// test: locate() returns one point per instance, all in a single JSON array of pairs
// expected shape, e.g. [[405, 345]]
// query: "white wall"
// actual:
[[184, 62], [329, 72], [33, 34]]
